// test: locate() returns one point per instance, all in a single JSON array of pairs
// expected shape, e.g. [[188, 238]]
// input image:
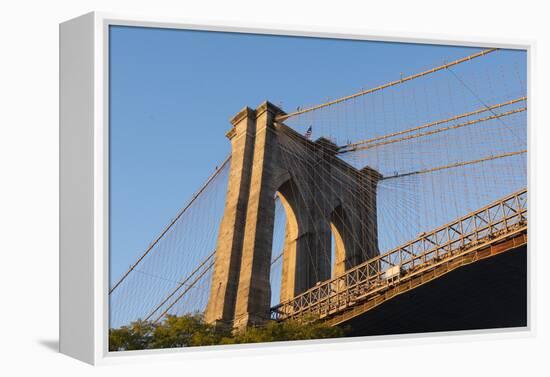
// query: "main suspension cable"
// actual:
[[283, 117]]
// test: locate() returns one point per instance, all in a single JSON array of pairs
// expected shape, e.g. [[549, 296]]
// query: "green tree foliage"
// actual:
[[285, 331], [191, 330], [137, 336], [185, 331]]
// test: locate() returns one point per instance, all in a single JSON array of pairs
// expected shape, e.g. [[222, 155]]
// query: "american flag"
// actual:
[[308, 133]]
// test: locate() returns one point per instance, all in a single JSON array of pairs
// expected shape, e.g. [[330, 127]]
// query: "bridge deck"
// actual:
[[490, 293], [487, 232], [472, 278]]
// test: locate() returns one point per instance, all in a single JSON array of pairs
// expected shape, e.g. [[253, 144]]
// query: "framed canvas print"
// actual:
[[224, 186]]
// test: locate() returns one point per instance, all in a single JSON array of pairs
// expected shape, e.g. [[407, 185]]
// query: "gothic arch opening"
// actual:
[[284, 248], [338, 224], [277, 248]]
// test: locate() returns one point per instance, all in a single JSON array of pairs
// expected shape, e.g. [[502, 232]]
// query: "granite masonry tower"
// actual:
[[323, 197]]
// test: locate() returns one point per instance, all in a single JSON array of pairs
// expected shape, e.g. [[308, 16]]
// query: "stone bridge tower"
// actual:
[[321, 194]]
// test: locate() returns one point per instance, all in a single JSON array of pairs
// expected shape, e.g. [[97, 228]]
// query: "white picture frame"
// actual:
[[84, 200]]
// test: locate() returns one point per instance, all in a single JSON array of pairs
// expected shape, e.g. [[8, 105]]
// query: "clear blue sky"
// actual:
[[172, 93]]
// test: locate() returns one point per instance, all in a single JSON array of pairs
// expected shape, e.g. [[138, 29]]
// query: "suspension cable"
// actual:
[[349, 147], [283, 117], [428, 133], [455, 165]]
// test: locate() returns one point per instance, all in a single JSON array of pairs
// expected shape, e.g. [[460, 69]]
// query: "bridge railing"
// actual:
[[498, 219]]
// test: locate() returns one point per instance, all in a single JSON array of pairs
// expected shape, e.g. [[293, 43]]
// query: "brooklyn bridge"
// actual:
[[399, 208]]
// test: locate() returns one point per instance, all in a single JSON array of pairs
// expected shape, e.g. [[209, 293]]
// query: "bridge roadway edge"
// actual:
[[480, 290]]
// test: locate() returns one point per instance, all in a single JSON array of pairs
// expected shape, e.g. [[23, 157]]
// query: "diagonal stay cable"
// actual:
[[184, 282], [281, 118], [181, 284], [178, 216], [187, 289], [478, 98]]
